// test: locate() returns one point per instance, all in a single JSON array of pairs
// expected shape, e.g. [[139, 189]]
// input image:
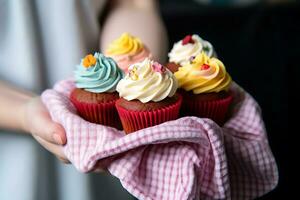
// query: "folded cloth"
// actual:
[[188, 158]]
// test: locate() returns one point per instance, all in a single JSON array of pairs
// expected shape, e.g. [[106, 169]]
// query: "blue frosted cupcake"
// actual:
[[95, 94]]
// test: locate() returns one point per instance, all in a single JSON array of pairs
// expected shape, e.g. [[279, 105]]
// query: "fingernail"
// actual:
[[57, 139]]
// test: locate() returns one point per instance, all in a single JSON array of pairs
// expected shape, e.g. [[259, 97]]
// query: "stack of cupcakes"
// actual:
[[147, 95]]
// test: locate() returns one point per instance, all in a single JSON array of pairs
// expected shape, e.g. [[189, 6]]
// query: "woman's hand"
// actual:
[[37, 121]]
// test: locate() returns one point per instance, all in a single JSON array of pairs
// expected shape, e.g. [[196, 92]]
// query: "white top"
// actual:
[[40, 43]]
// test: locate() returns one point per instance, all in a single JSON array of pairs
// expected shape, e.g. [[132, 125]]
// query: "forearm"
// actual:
[[140, 18], [11, 107]]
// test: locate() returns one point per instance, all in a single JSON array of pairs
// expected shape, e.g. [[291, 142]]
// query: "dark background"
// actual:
[[260, 47]]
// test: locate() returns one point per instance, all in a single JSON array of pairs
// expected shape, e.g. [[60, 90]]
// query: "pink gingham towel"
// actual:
[[188, 158]]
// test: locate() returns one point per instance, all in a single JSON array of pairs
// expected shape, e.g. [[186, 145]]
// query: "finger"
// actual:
[[63, 160], [46, 128], [57, 150], [99, 170]]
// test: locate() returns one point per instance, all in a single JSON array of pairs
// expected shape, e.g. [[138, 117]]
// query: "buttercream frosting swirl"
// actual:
[[97, 73], [203, 75], [147, 81], [182, 52], [125, 44], [127, 50]]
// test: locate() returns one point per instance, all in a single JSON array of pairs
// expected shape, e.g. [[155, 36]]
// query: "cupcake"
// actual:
[[147, 96], [127, 50], [187, 49], [95, 94], [204, 85]]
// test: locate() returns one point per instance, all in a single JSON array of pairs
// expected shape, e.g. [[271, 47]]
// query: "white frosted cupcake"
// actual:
[[187, 49], [147, 96]]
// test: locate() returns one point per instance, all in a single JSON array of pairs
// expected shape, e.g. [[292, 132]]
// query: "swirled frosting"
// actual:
[[97, 73], [127, 50], [147, 81], [203, 75], [188, 48], [125, 44]]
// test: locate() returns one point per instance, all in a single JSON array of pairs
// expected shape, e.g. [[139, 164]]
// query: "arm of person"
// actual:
[[140, 18], [23, 111]]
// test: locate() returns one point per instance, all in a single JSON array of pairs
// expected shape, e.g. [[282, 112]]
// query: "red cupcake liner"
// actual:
[[100, 113], [135, 120], [213, 109]]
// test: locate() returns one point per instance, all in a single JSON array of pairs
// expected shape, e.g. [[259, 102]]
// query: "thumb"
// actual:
[[51, 131]]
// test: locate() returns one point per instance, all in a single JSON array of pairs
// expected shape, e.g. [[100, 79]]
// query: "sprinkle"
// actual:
[[187, 39], [133, 74], [205, 67], [158, 67], [191, 59], [134, 77], [89, 61], [206, 49]]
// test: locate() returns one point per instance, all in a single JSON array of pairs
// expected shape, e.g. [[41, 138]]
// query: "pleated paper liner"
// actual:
[[100, 113], [213, 109], [135, 120]]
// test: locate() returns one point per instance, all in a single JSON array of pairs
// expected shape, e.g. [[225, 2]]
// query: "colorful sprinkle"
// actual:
[[158, 67], [191, 59], [187, 39], [133, 74], [89, 61], [205, 67]]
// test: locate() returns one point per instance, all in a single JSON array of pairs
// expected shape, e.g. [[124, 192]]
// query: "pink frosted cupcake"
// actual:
[[148, 96], [127, 50], [205, 88]]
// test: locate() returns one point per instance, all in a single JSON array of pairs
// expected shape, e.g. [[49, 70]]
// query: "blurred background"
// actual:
[[259, 43]]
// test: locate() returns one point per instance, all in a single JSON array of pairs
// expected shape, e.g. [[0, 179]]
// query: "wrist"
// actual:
[[12, 104], [24, 115]]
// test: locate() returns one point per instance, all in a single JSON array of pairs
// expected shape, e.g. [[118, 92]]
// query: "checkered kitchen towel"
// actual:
[[188, 158]]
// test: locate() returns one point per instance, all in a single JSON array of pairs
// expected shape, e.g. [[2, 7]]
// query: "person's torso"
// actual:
[[42, 41]]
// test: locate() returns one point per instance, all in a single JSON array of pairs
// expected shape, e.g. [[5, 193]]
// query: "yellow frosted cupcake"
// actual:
[[204, 84], [127, 50]]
